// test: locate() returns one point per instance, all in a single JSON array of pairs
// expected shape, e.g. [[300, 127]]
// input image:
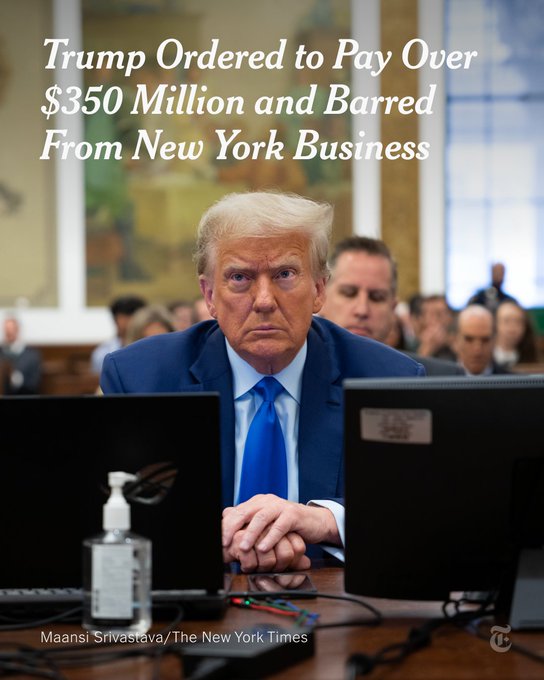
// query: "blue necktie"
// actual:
[[264, 467]]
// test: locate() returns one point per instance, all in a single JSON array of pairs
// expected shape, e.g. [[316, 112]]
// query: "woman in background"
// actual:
[[516, 341], [150, 320]]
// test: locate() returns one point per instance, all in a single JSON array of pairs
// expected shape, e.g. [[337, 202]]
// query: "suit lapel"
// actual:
[[320, 427], [213, 373], [320, 445]]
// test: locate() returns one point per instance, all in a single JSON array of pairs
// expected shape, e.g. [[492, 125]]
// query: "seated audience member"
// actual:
[[435, 334], [147, 321], [261, 259], [396, 338], [402, 312], [415, 305], [362, 296], [515, 342], [20, 365], [491, 296], [183, 313], [121, 309], [475, 340]]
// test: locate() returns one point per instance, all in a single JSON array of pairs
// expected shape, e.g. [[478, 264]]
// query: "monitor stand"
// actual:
[[527, 604]]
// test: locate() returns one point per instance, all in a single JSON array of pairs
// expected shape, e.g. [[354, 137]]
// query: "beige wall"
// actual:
[[27, 229]]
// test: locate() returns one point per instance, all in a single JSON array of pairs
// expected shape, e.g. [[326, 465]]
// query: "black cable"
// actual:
[[176, 620], [23, 662], [74, 615], [418, 637], [377, 620], [525, 651], [291, 594], [35, 623], [43, 663]]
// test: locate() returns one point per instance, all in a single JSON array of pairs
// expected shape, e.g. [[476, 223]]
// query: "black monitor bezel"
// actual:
[[423, 568]]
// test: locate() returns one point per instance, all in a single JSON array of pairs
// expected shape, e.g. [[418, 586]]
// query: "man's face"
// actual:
[[263, 294], [510, 325], [121, 323], [497, 274], [435, 312], [360, 296], [11, 331], [474, 343]]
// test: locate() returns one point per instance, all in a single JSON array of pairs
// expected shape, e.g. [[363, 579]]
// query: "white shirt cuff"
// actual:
[[337, 510]]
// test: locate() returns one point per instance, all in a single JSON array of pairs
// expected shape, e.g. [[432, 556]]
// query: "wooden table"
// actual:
[[454, 654]]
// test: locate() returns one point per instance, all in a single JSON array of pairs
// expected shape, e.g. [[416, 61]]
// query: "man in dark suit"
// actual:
[[475, 340], [20, 365], [362, 295], [262, 264], [492, 296]]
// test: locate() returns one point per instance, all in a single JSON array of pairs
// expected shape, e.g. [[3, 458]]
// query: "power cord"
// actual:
[[375, 621], [418, 638], [516, 647], [16, 623], [20, 659]]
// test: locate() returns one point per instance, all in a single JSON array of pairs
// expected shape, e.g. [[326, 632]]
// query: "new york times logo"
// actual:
[[499, 640]]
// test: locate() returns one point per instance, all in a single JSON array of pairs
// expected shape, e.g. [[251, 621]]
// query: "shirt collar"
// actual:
[[245, 376], [488, 370], [16, 347]]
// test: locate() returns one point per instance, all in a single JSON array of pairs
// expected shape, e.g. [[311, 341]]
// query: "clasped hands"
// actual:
[[268, 533]]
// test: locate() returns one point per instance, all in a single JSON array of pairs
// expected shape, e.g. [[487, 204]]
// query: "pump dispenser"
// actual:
[[117, 570]]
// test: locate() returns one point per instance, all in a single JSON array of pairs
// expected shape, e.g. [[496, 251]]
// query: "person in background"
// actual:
[[402, 312], [20, 365], [396, 337], [436, 328], [149, 320], [362, 297], [121, 309], [262, 265], [183, 313], [492, 295], [475, 340], [361, 291], [415, 305], [516, 341]]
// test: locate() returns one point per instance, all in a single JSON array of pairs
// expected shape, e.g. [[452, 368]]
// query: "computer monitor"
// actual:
[[56, 455], [444, 483]]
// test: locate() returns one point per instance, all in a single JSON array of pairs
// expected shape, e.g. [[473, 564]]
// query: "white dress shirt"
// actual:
[[246, 404]]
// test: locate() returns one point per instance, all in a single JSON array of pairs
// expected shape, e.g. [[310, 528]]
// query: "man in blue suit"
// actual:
[[262, 264]]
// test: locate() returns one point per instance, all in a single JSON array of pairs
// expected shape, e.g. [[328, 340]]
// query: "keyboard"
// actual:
[[9, 596], [196, 604]]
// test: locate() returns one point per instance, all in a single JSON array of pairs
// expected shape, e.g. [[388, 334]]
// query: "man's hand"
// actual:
[[288, 554], [265, 520], [432, 338], [278, 583]]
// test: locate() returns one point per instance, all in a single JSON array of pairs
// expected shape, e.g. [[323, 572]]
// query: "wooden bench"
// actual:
[[67, 370]]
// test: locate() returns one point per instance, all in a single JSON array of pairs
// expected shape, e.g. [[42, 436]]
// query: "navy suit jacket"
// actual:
[[196, 360]]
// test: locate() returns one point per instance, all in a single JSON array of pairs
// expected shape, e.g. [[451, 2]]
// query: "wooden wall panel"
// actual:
[[400, 184]]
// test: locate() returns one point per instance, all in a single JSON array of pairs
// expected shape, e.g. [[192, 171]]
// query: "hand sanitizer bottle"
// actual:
[[117, 570]]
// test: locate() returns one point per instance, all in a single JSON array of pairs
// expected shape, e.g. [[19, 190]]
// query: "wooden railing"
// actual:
[[67, 370]]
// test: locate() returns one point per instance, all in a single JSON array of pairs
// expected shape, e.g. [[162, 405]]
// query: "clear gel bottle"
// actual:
[[117, 570]]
